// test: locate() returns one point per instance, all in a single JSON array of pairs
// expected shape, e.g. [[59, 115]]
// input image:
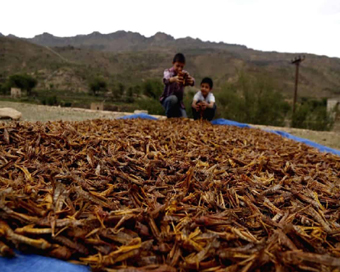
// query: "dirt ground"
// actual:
[[42, 113], [33, 113]]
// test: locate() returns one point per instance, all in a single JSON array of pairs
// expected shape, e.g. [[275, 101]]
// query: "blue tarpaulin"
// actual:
[[139, 115], [228, 123], [35, 263]]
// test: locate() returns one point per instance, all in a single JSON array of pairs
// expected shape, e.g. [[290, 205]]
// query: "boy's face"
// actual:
[[205, 89], [178, 66]]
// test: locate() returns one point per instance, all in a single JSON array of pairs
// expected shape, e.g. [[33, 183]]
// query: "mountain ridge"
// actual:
[[130, 57], [103, 42], [48, 39]]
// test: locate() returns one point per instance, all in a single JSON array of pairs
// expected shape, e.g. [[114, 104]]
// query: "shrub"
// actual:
[[97, 85], [24, 82], [67, 104], [118, 91], [153, 106], [252, 100], [129, 95], [153, 88], [49, 100], [5, 88], [312, 114], [188, 97]]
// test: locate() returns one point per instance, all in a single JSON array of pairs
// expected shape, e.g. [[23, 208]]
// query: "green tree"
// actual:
[[24, 82], [188, 97], [98, 85], [129, 95], [117, 91], [152, 88], [252, 100], [151, 105], [5, 88], [120, 89], [313, 115], [137, 90]]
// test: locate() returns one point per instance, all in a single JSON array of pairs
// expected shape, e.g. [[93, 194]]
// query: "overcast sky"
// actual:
[[311, 26]]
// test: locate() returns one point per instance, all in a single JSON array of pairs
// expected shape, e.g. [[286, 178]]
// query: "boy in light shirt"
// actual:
[[203, 104]]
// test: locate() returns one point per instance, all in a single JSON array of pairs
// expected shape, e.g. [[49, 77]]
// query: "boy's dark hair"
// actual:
[[179, 57], [207, 80]]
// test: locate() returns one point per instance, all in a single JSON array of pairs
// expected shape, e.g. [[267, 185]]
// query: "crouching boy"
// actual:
[[175, 79], [203, 104]]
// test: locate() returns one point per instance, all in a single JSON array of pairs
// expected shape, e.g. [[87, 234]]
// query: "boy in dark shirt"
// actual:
[[175, 79]]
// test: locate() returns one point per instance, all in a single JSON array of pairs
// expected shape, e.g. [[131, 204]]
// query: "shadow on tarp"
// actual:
[[36, 263]]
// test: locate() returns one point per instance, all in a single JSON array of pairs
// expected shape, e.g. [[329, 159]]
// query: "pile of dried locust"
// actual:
[[174, 195]]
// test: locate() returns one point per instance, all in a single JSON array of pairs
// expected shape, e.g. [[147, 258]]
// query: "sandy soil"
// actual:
[[42, 113]]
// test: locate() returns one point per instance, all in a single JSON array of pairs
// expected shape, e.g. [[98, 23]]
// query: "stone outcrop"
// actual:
[[9, 113]]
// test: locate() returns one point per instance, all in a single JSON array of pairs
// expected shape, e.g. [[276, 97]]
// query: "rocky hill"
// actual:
[[67, 63], [128, 41]]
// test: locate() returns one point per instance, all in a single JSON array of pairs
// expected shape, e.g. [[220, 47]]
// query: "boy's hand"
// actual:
[[177, 79], [204, 105], [189, 80]]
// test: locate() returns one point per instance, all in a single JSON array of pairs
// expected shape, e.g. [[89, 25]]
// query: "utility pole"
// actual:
[[296, 61]]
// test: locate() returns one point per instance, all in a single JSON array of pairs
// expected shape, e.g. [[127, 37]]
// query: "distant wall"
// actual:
[[333, 106], [15, 92], [97, 106]]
